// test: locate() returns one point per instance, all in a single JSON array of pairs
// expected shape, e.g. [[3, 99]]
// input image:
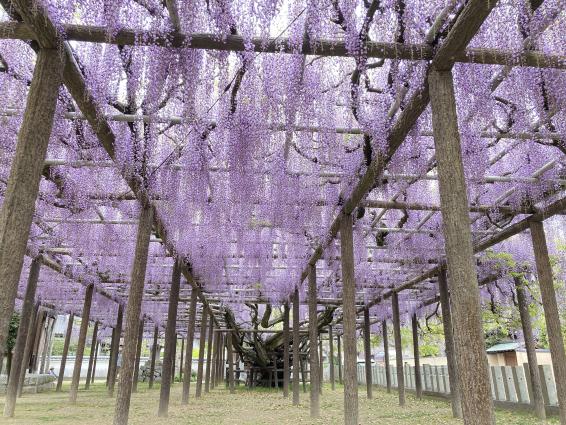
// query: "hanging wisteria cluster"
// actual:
[[248, 156]]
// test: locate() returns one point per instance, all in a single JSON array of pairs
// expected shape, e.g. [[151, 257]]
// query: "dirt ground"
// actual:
[[259, 406]]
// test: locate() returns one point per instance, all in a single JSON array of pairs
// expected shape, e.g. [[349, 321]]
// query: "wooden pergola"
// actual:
[[197, 308]]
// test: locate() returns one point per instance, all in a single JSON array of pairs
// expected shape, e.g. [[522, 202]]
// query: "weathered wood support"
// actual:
[[417, 356], [398, 348], [133, 312], [19, 348], [386, 355], [286, 350], [138, 357], [214, 360], [477, 405], [65, 352], [209, 355], [455, 393], [320, 364], [113, 366], [108, 369], [181, 360], [39, 329], [173, 359], [551, 314], [90, 372], [230, 356], [189, 348], [339, 349], [349, 322], [18, 205], [313, 352], [296, 352], [331, 357], [367, 353], [94, 364], [81, 344], [202, 343], [29, 347], [153, 356], [536, 387], [170, 342]]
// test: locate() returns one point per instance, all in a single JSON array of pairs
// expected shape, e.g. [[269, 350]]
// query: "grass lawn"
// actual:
[[260, 406]]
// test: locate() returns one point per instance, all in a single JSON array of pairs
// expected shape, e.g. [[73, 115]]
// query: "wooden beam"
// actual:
[[324, 47]]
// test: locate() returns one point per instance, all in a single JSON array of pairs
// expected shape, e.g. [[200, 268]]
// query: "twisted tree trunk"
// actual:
[[262, 352]]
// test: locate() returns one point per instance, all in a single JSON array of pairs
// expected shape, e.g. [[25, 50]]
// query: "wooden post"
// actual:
[[202, 342], [181, 363], [320, 364], [551, 315], [398, 348], [296, 352], [416, 355], [189, 348], [214, 360], [209, 355], [386, 355], [331, 357], [523, 303], [229, 350], [65, 352], [286, 350], [133, 312], [94, 364], [477, 405], [367, 352], [313, 352], [19, 348], [169, 350], [115, 351], [90, 371], [339, 348], [455, 397], [138, 357], [29, 347], [18, 205], [112, 340], [153, 356], [81, 344], [349, 322], [39, 330], [48, 327], [173, 359]]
